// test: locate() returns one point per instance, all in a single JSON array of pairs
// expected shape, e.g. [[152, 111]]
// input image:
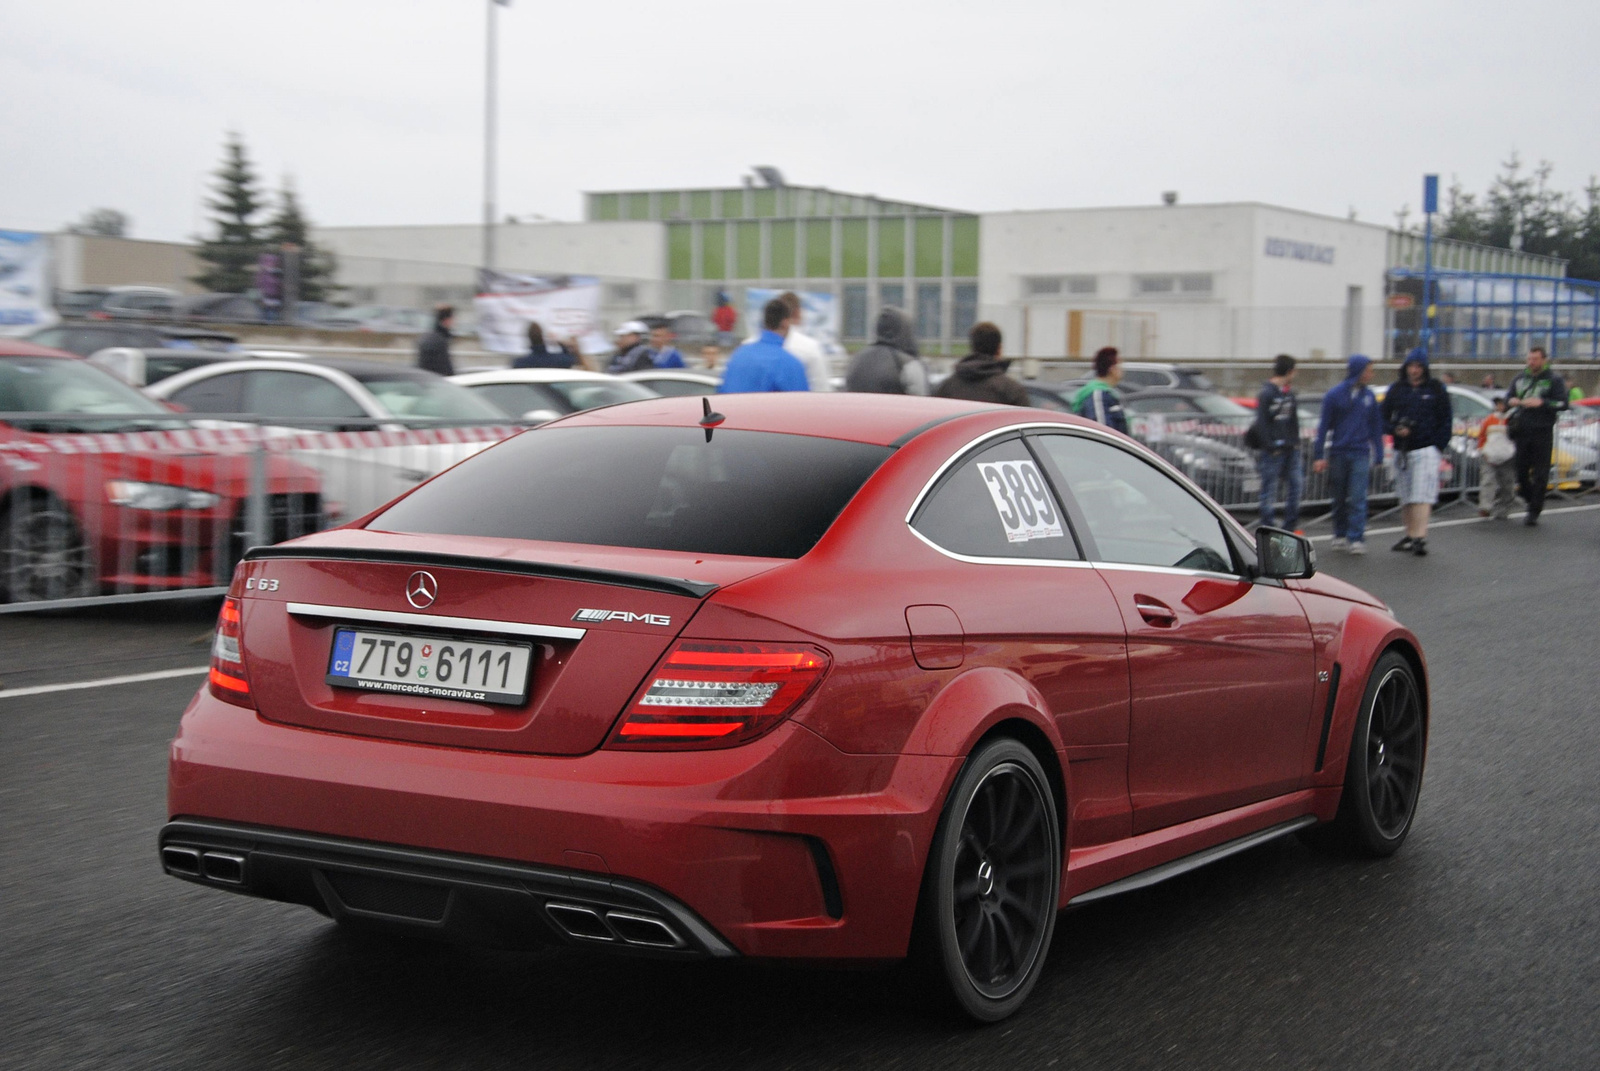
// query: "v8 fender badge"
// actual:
[[594, 616]]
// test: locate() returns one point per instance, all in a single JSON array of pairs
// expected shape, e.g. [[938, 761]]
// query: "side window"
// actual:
[[218, 394], [1157, 405], [286, 397], [515, 399], [995, 504], [1137, 514]]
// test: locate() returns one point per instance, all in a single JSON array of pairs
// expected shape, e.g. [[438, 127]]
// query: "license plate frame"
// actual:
[[442, 642]]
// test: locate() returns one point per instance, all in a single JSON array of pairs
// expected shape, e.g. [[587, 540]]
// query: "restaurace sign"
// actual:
[[1283, 247]]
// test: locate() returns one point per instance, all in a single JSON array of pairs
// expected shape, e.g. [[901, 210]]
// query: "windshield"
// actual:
[[746, 493], [59, 387], [592, 393], [418, 395]]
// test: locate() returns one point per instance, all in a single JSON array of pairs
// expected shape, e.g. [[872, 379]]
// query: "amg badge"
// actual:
[[621, 615]]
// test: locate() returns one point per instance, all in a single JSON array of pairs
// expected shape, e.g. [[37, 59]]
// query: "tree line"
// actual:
[[1520, 210]]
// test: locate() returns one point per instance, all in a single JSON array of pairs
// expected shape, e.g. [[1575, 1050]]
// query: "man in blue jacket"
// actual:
[[764, 365], [1416, 411], [1350, 416]]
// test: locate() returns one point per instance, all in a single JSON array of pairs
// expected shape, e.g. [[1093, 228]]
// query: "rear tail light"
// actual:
[[227, 677], [708, 695]]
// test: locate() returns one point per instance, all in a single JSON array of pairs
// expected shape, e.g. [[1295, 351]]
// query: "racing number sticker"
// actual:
[[1021, 499]]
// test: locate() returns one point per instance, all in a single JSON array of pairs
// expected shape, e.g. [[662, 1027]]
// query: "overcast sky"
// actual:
[[375, 106]]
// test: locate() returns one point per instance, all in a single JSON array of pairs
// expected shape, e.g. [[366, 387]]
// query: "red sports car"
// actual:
[[97, 493], [840, 677]]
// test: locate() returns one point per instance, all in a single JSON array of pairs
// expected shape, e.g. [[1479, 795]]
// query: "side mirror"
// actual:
[[1282, 555], [538, 416]]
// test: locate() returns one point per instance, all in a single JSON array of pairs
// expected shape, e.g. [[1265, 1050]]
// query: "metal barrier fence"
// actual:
[[168, 507], [157, 508], [1210, 450]]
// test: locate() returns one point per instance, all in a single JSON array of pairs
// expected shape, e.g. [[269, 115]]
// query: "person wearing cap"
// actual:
[[1416, 410], [633, 355], [764, 365], [1351, 432]]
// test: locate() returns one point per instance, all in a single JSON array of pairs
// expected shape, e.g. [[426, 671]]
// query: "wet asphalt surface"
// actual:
[[1478, 946]]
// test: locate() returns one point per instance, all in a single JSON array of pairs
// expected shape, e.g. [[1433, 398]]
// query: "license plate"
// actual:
[[405, 663]]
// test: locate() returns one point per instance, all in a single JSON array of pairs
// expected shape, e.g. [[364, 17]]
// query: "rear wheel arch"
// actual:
[[1034, 739]]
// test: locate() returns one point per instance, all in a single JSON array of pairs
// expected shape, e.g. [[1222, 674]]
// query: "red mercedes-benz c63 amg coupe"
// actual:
[[834, 677]]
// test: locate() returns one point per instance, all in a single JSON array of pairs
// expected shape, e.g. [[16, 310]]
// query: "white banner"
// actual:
[[819, 315], [567, 307], [24, 290]]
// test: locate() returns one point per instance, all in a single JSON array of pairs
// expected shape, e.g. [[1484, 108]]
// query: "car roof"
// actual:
[[16, 347], [527, 375], [1174, 392], [878, 419], [687, 375]]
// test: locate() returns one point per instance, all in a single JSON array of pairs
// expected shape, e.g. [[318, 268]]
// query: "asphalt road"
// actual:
[[1476, 947]]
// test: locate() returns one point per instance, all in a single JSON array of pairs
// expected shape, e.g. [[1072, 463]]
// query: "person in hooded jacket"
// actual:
[[1416, 411], [891, 364], [1351, 430], [980, 376]]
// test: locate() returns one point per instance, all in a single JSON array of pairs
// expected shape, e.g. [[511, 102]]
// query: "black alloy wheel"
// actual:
[[993, 881], [42, 552], [1384, 775]]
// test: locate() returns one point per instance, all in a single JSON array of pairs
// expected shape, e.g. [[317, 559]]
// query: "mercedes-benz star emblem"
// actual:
[[422, 589]]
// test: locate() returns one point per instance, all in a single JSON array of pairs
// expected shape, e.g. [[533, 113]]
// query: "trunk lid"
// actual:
[[597, 618]]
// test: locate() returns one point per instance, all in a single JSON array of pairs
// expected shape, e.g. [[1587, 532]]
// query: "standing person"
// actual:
[[980, 376], [632, 353], [804, 347], [1416, 411], [1537, 399], [663, 354], [1098, 399], [710, 356], [433, 349], [1497, 464], [764, 365], [1278, 430], [1352, 421], [724, 317], [541, 355], [891, 364]]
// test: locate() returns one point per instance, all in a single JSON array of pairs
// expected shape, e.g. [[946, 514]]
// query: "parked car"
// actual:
[[291, 396], [831, 677], [1145, 375], [81, 302], [141, 368], [537, 395], [377, 318], [676, 382], [222, 308], [1057, 395], [138, 303], [82, 521], [85, 339], [1202, 434]]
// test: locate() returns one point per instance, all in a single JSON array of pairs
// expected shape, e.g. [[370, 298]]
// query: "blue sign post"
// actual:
[[1430, 205]]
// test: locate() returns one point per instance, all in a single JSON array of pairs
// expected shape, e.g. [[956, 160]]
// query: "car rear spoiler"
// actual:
[[670, 585]]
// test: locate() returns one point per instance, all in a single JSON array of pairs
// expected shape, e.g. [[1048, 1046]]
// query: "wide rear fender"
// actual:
[[974, 703]]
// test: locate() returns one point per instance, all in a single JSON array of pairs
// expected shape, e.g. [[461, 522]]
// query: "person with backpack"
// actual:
[[1537, 399], [1416, 411], [1276, 435]]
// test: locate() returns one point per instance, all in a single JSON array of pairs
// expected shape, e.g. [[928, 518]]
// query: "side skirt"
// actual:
[[1155, 875]]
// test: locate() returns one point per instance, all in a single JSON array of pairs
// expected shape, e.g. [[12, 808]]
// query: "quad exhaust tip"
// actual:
[[222, 868], [624, 927]]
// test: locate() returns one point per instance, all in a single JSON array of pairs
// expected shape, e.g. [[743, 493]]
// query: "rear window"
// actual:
[[749, 493]]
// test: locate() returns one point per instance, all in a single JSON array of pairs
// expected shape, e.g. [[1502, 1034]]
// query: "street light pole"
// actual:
[[489, 126]]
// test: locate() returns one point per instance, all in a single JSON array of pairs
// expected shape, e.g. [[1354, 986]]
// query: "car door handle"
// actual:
[[1155, 611]]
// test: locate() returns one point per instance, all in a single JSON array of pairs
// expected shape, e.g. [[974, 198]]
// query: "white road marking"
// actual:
[[1452, 524], [104, 682]]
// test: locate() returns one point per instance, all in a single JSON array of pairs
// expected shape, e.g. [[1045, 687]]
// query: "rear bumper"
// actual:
[[783, 848]]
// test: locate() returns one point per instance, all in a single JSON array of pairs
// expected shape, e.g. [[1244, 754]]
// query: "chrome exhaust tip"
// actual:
[[224, 868], [644, 930], [581, 922], [183, 862]]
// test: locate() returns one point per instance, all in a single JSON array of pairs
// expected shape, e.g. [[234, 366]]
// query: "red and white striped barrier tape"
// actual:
[[234, 439]]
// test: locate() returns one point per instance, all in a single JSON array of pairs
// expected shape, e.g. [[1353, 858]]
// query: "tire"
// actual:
[[990, 892], [42, 551], [1383, 776]]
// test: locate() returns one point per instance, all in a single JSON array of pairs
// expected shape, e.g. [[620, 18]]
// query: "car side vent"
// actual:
[[1327, 716]]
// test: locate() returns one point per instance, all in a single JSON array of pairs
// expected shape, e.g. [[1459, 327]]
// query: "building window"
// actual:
[[747, 250], [638, 206], [929, 240], [964, 245], [714, 251], [1194, 285], [781, 250], [819, 249], [963, 308], [855, 310], [930, 310], [1057, 285], [891, 247], [604, 206], [622, 293], [680, 251], [892, 294], [853, 251]]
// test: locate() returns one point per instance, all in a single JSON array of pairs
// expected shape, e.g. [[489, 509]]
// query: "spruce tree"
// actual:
[[290, 226], [231, 254]]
